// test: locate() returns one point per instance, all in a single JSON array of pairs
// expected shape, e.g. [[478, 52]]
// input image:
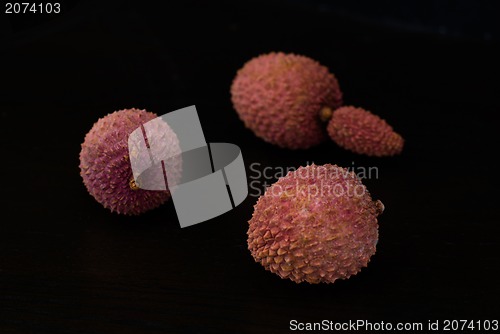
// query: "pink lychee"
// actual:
[[280, 98], [105, 163], [362, 132], [316, 224]]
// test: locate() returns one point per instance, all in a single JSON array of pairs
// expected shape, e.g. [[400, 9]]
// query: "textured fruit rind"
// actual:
[[105, 162], [316, 224], [362, 132], [279, 96]]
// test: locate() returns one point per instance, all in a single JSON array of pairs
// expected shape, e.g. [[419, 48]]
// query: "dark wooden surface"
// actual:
[[69, 266]]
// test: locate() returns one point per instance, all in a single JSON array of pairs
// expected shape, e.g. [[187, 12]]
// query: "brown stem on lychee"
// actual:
[[379, 207], [325, 114], [133, 185]]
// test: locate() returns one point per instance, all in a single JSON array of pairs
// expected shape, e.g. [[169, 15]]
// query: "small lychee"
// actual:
[[280, 97], [105, 163], [317, 224], [362, 132]]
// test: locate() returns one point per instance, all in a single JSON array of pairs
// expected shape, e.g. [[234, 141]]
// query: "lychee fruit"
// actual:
[[362, 132], [105, 163], [317, 224], [280, 97]]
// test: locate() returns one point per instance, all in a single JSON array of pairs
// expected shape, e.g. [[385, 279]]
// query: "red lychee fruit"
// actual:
[[317, 224], [105, 163], [280, 97], [362, 132]]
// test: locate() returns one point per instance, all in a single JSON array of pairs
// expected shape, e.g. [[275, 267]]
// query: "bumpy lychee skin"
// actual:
[[362, 132], [280, 97], [317, 224], [105, 163]]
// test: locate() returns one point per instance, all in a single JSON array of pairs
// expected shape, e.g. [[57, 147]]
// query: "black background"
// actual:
[[67, 265]]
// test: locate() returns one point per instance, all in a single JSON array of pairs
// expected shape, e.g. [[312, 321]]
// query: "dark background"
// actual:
[[67, 265]]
